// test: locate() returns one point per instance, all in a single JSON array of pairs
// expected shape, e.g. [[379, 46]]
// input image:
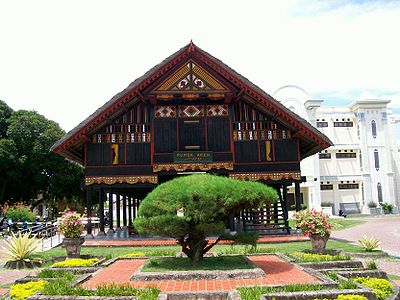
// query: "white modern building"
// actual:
[[363, 166]]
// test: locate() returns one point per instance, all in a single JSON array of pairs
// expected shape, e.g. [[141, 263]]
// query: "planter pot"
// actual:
[[318, 243], [73, 246], [375, 211]]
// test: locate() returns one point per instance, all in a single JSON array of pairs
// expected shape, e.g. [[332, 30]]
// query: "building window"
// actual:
[[348, 186], [379, 189], [342, 124], [324, 155], [322, 124], [326, 187], [373, 128], [376, 158], [346, 155]]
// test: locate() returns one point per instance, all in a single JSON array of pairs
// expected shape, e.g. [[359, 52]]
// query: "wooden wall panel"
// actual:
[[286, 150], [98, 154], [246, 151], [138, 154], [192, 133], [218, 134], [164, 135]]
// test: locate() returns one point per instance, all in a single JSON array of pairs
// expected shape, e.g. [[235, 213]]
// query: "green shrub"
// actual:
[[21, 291], [312, 257], [136, 254], [381, 287], [21, 246], [254, 293], [127, 290], [372, 265], [55, 274], [76, 262], [20, 213], [369, 244], [387, 207], [351, 297]]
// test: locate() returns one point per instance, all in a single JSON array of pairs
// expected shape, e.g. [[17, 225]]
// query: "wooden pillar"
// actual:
[[285, 206], [101, 213], [118, 209], [278, 190], [110, 213], [130, 211], [134, 207], [297, 195], [124, 210], [89, 234]]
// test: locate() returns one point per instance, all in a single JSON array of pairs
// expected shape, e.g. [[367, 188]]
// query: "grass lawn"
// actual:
[[208, 263], [344, 223], [220, 249], [394, 277]]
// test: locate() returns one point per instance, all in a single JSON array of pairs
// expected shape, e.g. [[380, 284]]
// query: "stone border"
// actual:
[[200, 295], [338, 264], [366, 255], [200, 274], [329, 294], [46, 297]]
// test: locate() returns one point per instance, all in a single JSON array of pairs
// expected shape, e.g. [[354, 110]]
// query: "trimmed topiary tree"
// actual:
[[190, 207]]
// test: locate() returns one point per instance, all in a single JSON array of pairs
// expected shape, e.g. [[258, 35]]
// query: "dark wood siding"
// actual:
[[246, 151], [286, 150], [138, 154], [218, 134], [164, 135], [98, 154], [192, 133]]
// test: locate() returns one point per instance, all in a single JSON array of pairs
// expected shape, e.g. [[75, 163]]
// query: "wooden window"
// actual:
[[326, 187], [346, 155], [322, 124], [376, 159], [348, 186], [324, 155], [343, 124], [380, 195], [373, 128]]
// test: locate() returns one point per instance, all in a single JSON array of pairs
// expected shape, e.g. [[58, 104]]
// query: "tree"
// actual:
[[190, 207], [5, 113], [28, 167]]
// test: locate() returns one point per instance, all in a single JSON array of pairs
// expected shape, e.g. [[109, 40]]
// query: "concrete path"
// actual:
[[387, 230]]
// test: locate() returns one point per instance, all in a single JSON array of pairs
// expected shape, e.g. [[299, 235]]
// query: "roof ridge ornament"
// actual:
[[191, 46]]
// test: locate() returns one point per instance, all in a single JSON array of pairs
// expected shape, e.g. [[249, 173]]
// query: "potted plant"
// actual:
[[71, 227], [316, 225], [387, 207], [21, 248]]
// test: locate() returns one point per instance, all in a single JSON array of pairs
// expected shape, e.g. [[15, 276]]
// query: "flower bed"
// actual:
[[76, 262], [301, 257]]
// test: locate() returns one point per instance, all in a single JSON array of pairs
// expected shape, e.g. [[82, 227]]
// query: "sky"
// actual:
[[64, 59]]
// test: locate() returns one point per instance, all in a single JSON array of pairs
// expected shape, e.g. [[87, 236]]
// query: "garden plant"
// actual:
[[20, 249], [189, 208]]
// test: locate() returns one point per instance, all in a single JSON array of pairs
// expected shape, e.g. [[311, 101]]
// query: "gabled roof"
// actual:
[[71, 145]]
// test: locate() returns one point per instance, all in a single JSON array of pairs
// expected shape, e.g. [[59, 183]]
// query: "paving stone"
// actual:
[[277, 271]]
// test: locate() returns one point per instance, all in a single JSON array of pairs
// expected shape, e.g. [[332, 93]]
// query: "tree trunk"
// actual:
[[197, 251]]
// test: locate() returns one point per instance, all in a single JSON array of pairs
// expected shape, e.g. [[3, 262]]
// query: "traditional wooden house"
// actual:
[[191, 113]]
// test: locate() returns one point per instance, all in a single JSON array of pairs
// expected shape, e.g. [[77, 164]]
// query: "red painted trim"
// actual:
[[125, 153], [298, 149], [118, 166], [222, 72], [268, 162], [231, 139], [121, 175], [84, 156], [152, 141], [177, 130], [206, 132]]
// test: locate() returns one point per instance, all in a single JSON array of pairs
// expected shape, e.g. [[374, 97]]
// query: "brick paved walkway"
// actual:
[[386, 229], [171, 242], [277, 272]]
